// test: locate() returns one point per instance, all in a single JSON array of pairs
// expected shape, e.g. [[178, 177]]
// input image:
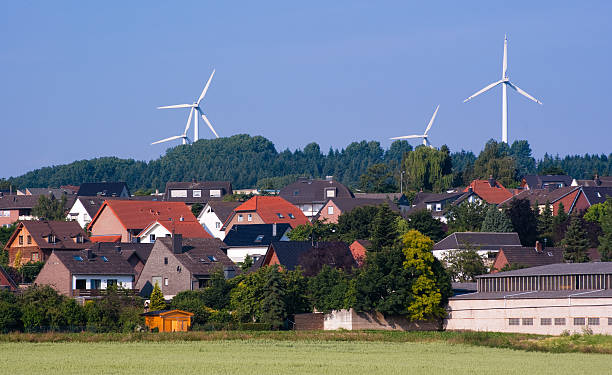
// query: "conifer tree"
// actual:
[[576, 242], [496, 221], [605, 241], [273, 304], [545, 224], [157, 299], [384, 229]]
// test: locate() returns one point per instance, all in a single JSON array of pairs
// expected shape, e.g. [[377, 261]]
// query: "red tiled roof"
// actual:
[[139, 214], [189, 229], [484, 190], [269, 208], [116, 238]]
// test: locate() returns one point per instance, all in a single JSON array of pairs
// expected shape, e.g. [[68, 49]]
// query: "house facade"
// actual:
[[197, 192], [310, 195], [165, 228], [266, 210], [333, 208], [84, 209], [17, 207], [214, 214]]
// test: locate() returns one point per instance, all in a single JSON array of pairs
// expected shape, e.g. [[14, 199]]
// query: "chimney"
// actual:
[[538, 247], [177, 243], [274, 230], [491, 181]]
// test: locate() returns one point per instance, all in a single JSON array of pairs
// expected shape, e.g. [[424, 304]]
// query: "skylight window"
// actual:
[[212, 258], [78, 258], [259, 238], [291, 216], [104, 258], [279, 215]]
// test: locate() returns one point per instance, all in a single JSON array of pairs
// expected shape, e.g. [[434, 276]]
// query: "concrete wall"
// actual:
[[352, 320], [495, 314]]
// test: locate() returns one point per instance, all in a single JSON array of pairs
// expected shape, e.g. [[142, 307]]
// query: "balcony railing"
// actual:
[[103, 292]]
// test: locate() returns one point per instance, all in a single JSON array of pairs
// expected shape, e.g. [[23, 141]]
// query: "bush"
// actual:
[[10, 316]]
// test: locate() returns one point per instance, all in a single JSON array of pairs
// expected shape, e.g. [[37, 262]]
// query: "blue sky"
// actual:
[[82, 79]]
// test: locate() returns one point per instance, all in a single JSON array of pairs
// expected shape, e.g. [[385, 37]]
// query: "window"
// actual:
[[151, 238], [78, 239], [21, 240], [35, 257], [593, 321], [81, 284], [291, 216], [249, 217], [330, 210], [578, 321], [215, 193], [296, 193], [51, 238], [111, 282], [438, 207], [514, 321], [212, 258], [5, 213], [29, 239], [178, 193], [165, 281], [429, 207], [78, 258], [545, 321], [259, 238], [527, 321], [280, 216], [610, 321], [203, 283], [156, 280], [240, 218], [165, 260], [104, 259], [218, 225], [197, 193], [330, 193], [95, 284], [559, 321]]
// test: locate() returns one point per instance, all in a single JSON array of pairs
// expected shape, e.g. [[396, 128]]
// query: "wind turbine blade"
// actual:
[[520, 91], [409, 137], [208, 123], [188, 121], [176, 106], [432, 119], [505, 62], [206, 87], [168, 139], [483, 90]]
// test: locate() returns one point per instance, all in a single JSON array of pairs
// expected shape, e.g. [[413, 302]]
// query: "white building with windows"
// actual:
[[84, 209], [197, 192], [213, 216]]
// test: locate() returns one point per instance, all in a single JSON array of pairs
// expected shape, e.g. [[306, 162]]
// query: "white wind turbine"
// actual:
[[505, 82], [424, 135], [195, 107]]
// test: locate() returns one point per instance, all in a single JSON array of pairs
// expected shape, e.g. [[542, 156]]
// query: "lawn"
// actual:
[[263, 356]]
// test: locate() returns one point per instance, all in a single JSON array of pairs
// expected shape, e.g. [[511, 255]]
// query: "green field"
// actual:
[[287, 357]]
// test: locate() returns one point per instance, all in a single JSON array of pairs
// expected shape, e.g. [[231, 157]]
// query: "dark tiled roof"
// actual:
[[106, 189], [539, 181], [223, 209], [348, 204], [597, 182], [289, 252], [421, 197], [196, 252], [64, 231], [529, 257], [395, 197], [365, 243], [100, 262], [15, 202], [478, 240], [607, 293], [56, 192], [246, 234], [126, 249], [558, 269], [597, 194], [204, 186], [309, 191], [541, 196], [91, 204]]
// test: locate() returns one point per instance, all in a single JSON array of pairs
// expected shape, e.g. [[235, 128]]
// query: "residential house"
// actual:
[[78, 272], [489, 191], [84, 209], [124, 220], [165, 228], [435, 203], [34, 241], [197, 192], [16, 207], [525, 257], [487, 244], [6, 281], [136, 254], [253, 240], [178, 264], [104, 189], [311, 195], [56, 193], [359, 249], [265, 210], [597, 181], [214, 214], [335, 207], [573, 198], [534, 182], [291, 254], [547, 300]]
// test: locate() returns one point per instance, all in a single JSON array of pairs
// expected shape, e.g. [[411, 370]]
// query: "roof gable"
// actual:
[[139, 214], [65, 233], [273, 209], [188, 229], [489, 190]]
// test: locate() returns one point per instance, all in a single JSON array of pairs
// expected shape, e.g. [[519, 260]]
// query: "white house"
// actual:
[[165, 228], [84, 209], [214, 214]]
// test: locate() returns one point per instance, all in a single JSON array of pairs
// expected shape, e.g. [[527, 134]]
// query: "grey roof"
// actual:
[[557, 269], [478, 240], [607, 293], [349, 204], [223, 209], [17, 202], [91, 204], [541, 181], [597, 181], [56, 192], [312, 191], [101, 262], [541, 196], [65, 233], [126, 249], [204, 186], [529, 257], [463, 288], [106, 189], [597, 194], [247, 234], [400, 198], [289, 252], [195, 253], [422, 197]]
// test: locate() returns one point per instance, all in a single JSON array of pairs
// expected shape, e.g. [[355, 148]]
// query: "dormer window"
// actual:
[[212, 258], [280, 216], [291, 216], [51, 238], [330, 193], [78, 238], [197, 193], [259, 238]]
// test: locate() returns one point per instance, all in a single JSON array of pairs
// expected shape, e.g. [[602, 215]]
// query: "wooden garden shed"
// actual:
[[168, 320]]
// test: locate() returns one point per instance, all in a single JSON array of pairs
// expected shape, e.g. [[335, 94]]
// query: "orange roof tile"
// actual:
[[484, 190], [116, 238], [189, 229], [139, 214], [274, 210]]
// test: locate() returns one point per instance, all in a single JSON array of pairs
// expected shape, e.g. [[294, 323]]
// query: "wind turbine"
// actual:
[[424, 135], [195, 107], [505, 82]]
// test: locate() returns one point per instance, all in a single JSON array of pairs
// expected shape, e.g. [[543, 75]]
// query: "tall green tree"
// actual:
[[157, 301], [605, 240], [576, 243], [356, 224], [428, 169], [466, 217], [523, 220], [464, 265], [329, 289], [425, 223], [546, 225], [495, 160], [50, 208], [384, 230], [378, 178], [273, 306], [496, 221], [521, 152]]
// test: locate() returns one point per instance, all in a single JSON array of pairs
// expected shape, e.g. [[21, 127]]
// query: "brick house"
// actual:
[[77, 272], [266, 210], [489, 191], [36, 240], [136, 254], [527, 257], [125, 219], [310, 195], [16, 207], [335, 207], [178, 264]]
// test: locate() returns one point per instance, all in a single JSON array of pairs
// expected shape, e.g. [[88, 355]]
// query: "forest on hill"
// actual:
[[254, 162]]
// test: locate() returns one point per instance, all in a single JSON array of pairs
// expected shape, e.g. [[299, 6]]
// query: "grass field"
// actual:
[[262, 356]]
